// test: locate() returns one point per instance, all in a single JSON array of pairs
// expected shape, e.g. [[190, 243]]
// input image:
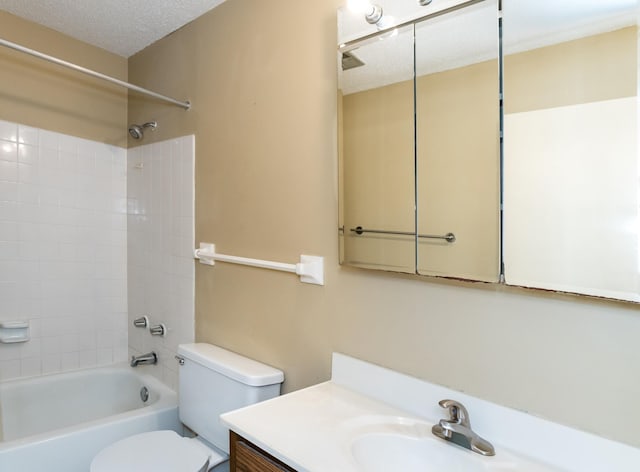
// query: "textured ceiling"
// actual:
[[123, 27]]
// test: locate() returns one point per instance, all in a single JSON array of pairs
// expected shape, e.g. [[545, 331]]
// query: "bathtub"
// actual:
[[58, 423]]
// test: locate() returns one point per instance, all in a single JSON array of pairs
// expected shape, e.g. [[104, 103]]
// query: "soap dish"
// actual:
[[14, 332]]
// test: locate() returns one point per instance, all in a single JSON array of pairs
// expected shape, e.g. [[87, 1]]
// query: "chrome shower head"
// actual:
[[137, 131]]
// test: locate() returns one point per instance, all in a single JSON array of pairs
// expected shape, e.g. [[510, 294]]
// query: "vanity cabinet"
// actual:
[[247, 457]]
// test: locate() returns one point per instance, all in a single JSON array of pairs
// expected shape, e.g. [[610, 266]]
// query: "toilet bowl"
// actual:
[[212, 381]]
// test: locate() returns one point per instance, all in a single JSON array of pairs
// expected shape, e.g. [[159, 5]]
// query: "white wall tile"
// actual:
[[87, 236], [12, 352], [28, 174], [9, 369], [8, 131], [51, 345], [9, 171], [28, 154], [8, 230], [8, 192], [88, 358], [55, 208], [68, 143], [49, 139], [27, 194], [30, 367], [28, 135], [51, 363], [160, 248], [33, 348], [104, 356], [70, 361], [8, 151]]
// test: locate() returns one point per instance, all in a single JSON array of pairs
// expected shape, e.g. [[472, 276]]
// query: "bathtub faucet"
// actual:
[[149, 358]]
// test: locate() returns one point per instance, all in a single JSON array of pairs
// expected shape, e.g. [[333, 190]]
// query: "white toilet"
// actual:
[[212, 381]]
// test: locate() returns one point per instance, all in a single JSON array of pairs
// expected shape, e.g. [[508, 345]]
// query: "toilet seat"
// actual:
[[157, 451]]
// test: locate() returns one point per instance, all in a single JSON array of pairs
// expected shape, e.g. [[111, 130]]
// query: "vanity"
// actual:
[[247, 457], [370, 419]]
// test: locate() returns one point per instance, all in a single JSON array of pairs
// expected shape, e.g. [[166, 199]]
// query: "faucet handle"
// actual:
[[141, 322], [457, 412], [158, 330]]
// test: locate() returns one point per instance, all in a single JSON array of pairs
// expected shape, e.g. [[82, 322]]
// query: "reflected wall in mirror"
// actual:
[[458, 143], [571, 180], [377, 154]]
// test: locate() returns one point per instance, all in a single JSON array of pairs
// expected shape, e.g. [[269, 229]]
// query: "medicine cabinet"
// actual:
[[493, 141]]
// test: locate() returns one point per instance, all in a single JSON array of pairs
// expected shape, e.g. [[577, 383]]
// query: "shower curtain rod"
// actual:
[[186, 104]]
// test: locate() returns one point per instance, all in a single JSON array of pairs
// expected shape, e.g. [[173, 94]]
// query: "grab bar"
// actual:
[[310, 268], [449, 237]]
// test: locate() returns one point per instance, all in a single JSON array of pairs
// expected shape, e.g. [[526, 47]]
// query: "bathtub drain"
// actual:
[[144, 394]]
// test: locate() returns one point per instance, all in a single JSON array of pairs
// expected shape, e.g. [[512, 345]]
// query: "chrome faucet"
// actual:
[[149, 358], [457, 429]]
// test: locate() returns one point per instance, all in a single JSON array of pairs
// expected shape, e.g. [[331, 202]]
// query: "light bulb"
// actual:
[[363, 7]]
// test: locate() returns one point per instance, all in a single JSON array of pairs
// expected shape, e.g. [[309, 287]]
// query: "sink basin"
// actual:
[[385, 452], [381, 444]]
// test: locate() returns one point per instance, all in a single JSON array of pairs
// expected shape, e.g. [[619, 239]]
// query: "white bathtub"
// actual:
[[58, 423]]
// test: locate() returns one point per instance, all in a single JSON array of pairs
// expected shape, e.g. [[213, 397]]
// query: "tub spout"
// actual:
[[149, 358]]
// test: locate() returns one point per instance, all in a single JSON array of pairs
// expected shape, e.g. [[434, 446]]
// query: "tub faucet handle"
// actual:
[[141, 322], [158, 330]]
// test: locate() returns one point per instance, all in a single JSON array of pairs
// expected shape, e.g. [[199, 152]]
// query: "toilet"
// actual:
[[212, 381]]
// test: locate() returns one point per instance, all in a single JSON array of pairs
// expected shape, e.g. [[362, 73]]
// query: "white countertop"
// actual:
[[309, 429], [312, 430]]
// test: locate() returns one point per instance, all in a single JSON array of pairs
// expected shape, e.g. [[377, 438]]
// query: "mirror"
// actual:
[[377, 154], [420, 154], [570, 146], [553, 201], [458, 143]]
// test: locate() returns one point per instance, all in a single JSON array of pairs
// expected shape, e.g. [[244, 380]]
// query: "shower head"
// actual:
[[137, 131]]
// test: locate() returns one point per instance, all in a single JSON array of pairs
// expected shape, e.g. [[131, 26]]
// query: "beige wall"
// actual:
[[262, 79], [44, 95]]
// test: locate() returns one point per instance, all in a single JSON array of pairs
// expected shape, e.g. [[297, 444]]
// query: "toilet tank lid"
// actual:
[[235, 366]]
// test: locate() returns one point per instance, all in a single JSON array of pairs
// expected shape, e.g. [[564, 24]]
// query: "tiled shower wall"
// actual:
[[161, 276], [63, 251]]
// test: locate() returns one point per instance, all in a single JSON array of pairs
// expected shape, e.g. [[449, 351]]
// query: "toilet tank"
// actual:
[[213, 381]]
